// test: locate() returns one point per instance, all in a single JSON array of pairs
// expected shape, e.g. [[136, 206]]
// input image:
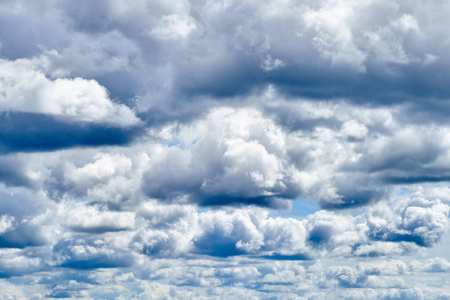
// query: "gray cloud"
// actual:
[[197, 279], [26, 89], [162, 150], [378, 52], [79, 254]]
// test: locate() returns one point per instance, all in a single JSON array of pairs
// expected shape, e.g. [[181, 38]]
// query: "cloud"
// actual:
[[225, 158], [419, 221], [432, 265], [90, 219], [24, 88], [6, 223], [20, 229], [379, 51], [172, 27], [29, 132], [15, 263], [197, 278], [224, 149], [79, 254]]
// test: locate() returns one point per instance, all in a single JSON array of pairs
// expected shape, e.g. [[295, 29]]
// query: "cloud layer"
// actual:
[[224, 149]]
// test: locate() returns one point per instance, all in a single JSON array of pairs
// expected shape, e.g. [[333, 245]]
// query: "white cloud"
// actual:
[[14, 262], [25, 88], [334, 38], [353, 129], [91, 219], [418, 219], [231, 153], [6, 223], [247, 106], [172, 27], [270, 64]]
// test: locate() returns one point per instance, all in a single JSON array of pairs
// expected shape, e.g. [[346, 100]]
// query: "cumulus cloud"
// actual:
[[224, 149], [364, 51], [232, 156], [421, 221], [200, 279], [24, 88], [6, 223], [327, 233], [90, 219], [83, 254]]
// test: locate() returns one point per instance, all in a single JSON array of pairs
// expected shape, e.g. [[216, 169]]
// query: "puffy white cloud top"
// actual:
[[25, 88], [224, 149]]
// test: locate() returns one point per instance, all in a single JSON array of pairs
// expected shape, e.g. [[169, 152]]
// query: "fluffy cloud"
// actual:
[[420, 221], [374, 50], [90, 219], [230, 156], [6, 223], [224, 149], [24, 88], [200, 279], [325, 233]]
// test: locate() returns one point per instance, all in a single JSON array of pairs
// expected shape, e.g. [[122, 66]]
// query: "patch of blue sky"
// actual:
[[201, 209], [300, 209], [195, 141], [401, 191], [180, 144], [176, 143], [82, 199]]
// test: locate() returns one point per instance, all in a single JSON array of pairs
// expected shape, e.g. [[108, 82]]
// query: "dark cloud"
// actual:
[[217, 245], [35, 24], [86, 255], [145, 146], [389, 56], [11, 172], [21, 237], [25, 132], [351, 197]]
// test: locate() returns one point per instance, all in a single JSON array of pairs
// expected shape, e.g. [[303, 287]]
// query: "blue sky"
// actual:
[[224, 149]]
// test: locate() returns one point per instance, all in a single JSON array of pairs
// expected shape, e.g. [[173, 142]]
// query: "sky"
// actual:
[[224, 149]]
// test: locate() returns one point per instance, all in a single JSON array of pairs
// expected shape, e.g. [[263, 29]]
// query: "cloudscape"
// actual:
[[224, 149]]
